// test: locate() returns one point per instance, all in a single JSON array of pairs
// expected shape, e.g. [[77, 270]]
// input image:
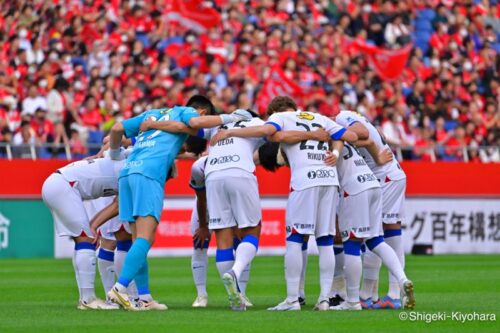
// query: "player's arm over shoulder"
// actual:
[[337, 132]]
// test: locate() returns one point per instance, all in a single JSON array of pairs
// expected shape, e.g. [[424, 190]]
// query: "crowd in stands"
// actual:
[[70, 69]]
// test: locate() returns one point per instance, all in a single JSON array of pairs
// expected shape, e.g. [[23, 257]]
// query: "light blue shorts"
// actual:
[[139, 196]]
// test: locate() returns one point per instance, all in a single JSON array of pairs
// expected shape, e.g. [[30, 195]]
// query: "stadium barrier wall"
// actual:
[[452, 207]]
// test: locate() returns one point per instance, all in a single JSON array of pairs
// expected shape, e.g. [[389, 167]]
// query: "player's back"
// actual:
[[306, 158], [233, 152], [392, 169], [155, 151], [354, 174], [93, 178], [197, 180]]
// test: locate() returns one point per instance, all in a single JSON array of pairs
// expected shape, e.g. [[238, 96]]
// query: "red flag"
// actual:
[[277, 84], [192, 14], [388, 64]]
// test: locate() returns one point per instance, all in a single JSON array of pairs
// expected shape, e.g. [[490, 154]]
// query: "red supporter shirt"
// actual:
[[91, 118], [41, 129]]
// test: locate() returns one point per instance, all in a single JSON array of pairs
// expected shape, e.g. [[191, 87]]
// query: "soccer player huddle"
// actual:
[[346, 190]]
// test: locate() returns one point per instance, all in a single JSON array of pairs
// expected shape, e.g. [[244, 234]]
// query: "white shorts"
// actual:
[[195, 222], [233, 201], [109, 228], [66, 206], [360, 215], [312, 211], [393, 201]]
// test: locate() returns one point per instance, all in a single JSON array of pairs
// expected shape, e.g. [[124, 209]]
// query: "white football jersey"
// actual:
[[197, 181], [94, 178], [306, 158], [354, 174], [391, 170], [233, 152]]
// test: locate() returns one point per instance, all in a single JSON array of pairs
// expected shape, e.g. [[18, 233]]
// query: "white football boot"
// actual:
[[324, 305], [286, 306], [97, 304], [347, 306], [119, 295], [200, 302]]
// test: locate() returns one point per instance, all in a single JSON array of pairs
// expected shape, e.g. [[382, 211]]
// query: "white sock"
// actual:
[[339, 281], [353, 269], [224, 266], [85, 262], [326, 271], [293, 269], [199, 263], [106, 271], [243, 257], [371, 269], [396, 242], [119, 260], [302, 284], [391, 261], [76, 275], [243, 280]]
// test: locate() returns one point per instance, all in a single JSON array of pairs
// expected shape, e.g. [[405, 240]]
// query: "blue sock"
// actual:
[[135, 259], [142, 280]]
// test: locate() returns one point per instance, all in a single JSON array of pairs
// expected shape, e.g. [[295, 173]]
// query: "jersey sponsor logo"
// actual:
[[316, 156], [132, 164], [165, 111], [225, 159], [145, 144], [321, 174], [225, 142], [305, 115], [367, 177], [391, 216]]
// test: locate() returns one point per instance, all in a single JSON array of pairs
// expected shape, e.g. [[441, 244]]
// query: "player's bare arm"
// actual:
[[202, 233], [381, 157], [291, 137], [360, 130], [349, 136], [247, 132], [213, 121], [103, 216], [171, 126]]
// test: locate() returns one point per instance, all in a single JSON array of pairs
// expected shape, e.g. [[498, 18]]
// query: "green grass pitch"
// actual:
[[40, 296]]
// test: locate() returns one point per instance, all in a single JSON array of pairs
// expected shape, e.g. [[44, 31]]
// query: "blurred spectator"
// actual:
[[23, 141], [42, 127], [396, 33], [33, 102], [78, 149], [92, 63]]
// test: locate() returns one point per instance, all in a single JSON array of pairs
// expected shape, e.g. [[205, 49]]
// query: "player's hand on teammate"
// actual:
[[220, 135], [200, 236], [146, 125], [238, 115], [320, 135], [95, 233], [385, 156], [330, 159]]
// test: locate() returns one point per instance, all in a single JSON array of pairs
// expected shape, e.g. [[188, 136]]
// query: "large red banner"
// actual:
[[174, 230], [24, 179]]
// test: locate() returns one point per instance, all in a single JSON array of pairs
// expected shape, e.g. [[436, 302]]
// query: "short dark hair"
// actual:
[[280, 104], [201, 102], [268, 156], [196, 145]]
